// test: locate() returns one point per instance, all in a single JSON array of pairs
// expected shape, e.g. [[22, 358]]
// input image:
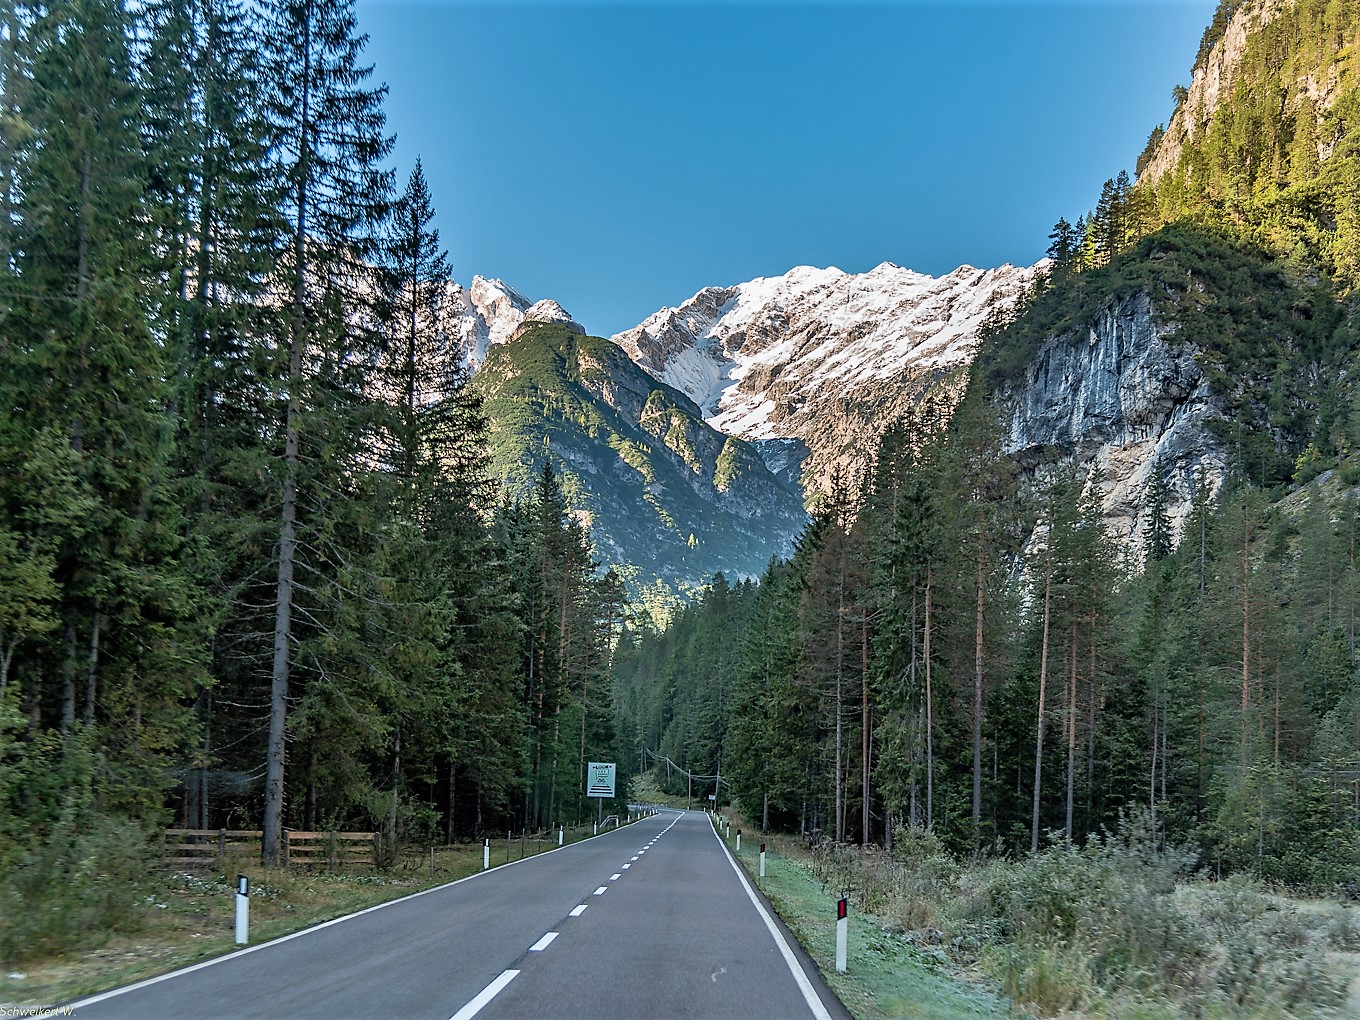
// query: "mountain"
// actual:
[[812, 365], [667, 499], [488, 312], [1204, 325], [1202, 321]]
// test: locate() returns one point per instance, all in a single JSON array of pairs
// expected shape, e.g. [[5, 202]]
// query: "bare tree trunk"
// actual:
[[391, 854], [1246, 629], [1071, 727], [1152, 778], [92, 665], [864, 728], [977, 698], [930, 712], [68, 681], [1043, 691]]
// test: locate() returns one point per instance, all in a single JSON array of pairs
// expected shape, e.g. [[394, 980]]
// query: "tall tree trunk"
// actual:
[[68, 679], [92, 665], [864, 727], [1246, 630], [390, 854], [930, 714], [977, 695], [1071, 727], [272, 840], [1043, 692]]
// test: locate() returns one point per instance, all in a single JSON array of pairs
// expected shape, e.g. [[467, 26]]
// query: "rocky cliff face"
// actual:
[[814, 364], [1124, 394]]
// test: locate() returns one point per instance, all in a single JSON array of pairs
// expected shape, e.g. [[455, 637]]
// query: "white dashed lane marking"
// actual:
[[601, 890], [543, 943], [578, 911], [485, 995]]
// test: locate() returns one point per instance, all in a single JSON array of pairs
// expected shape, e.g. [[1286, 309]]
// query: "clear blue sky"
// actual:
[[617, 156]]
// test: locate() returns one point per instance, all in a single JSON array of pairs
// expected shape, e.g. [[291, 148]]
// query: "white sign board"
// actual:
[[600, 779]]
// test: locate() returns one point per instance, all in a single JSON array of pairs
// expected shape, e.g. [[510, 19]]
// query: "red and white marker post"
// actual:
[[842, 933]]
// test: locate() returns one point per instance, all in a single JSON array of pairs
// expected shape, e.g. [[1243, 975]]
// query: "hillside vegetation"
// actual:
[[669, 500]]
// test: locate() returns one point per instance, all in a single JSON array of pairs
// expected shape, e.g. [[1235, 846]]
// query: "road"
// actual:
[[650, 920]]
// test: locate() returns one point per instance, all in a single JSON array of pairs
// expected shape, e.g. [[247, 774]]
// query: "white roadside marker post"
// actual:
[[762, 860], [242, 909], [559, 835], [738, 841], [842, 934], [486, 853]]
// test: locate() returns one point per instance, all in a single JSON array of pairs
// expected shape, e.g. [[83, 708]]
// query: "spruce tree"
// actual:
[[331, 126]]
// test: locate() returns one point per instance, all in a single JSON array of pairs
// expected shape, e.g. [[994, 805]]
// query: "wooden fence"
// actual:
[[205, 848]]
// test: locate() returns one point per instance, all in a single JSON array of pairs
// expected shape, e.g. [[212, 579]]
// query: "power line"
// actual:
[[657, 758]]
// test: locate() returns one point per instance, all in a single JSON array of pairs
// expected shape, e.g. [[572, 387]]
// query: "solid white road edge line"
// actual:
[[795, 968], [543, 943], [485, 995], [91, 1000]]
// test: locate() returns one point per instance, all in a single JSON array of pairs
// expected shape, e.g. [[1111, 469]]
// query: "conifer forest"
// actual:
[[256, 571]]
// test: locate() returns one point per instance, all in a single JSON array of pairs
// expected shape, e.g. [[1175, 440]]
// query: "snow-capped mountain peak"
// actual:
[[780, 358]]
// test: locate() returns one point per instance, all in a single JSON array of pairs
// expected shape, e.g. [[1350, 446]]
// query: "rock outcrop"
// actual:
[[1124, 394]]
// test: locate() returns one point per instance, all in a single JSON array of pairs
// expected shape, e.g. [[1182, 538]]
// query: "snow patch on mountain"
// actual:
[[788, 357], [490, 312]]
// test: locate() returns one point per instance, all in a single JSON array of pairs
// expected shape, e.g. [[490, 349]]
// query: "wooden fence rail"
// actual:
[[197, 848]]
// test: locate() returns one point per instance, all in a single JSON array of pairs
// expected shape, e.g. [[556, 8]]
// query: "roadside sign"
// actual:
[[600, 779]]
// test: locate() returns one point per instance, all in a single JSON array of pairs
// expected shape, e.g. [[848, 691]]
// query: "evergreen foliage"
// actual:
[[252, 569]]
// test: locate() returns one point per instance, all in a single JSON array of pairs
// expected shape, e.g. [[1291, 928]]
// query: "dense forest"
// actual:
[[963, 647], [253, 572], [893, 674]]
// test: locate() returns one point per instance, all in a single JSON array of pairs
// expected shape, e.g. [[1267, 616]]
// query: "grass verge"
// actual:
[[886, 975]]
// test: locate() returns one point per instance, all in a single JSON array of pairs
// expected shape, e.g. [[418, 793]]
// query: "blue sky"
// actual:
[[618, 156]]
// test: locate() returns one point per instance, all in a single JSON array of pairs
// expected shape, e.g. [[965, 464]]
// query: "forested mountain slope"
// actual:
[[669, 500]]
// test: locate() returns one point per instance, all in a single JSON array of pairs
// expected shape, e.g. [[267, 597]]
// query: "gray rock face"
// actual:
[[1123, 394]]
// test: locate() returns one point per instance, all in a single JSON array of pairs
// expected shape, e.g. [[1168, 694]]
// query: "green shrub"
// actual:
[[84, 881]]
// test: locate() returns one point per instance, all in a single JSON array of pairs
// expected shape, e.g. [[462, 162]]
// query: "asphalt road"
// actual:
[[649, 921]]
